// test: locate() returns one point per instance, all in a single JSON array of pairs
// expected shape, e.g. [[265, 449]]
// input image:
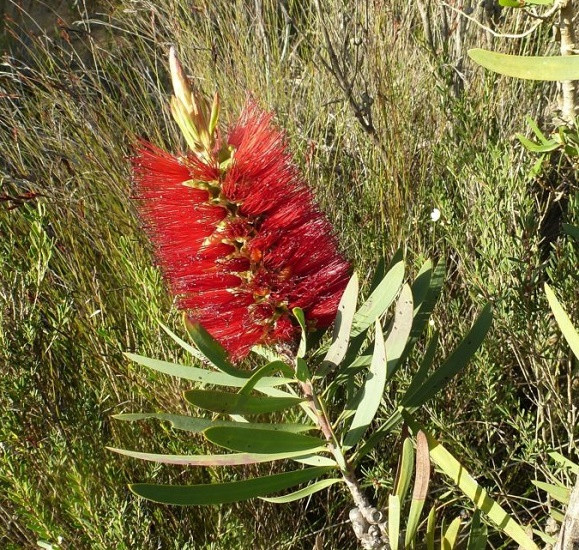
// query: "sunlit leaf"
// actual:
[[560, 494], [565, 462], [420, 491], [430, 528], [405, 469], [458, 359], [303, 493], [213, 351], [565, 324], [400, 331], [477, 538], [342, 325], [301, 319], [196, 425], [262, 441], [425, 365], [394, 521], [203, 376], [379, 301], [450, 535], [372, 391], [223, 493], [232, 403], [550, 68], [262, 372], [468, 485], [235, 459], [187, 347]]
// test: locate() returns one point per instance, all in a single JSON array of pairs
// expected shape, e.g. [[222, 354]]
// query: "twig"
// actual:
[[552, 11], [368, 523], [569, 534], [568, 87]]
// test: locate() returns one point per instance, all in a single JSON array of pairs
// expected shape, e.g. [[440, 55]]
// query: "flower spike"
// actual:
[[236, 230]]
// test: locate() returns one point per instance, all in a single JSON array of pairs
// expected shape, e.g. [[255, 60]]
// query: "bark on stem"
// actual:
[[368, 523], [568, 87]]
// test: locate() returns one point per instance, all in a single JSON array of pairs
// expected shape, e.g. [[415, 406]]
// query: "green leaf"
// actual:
[[262, 372], [262, 441], [400, 331], [302, 372], [196, 425], [565, 324], [422, 372], [394, 521], [552, 145], [303, 493], [560, 494], [450, 536], [232, 403], [405, 469], [512, 3], [430, 528], [420, 487], [571, 230], [342, 326], [421, 284], [565, 462], [454, 363], [379, 300], [236, 459], [203, 376], [549, 68], [301, 318], [422, 315], [224, 493], [468, 485], [187, 347], [372, 391], [477, 537], [213, 351]]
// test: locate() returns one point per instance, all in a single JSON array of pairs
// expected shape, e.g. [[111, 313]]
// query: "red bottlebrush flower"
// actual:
[[240, 240]]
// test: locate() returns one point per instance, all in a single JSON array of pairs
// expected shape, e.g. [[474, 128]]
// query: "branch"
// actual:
[[548, 14]]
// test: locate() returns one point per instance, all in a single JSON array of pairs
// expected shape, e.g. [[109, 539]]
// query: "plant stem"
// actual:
[[568, 88], [367, 522]]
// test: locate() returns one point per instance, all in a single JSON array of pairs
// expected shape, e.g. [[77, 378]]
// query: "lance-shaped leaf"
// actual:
[[213, 351], [424, 301], [379, 301], [233, 403], [422, 372], [458, 359], [187, 347], [565, 324], [235, 459], [196, 424], [477, 537], [557, 492], [420, 487], [263, 372], [405, 469], [342, 325], [468, 485], [203, 376], [303, 493], [400, 331], [262, 441], [224, 493], [301, 319], [450, 535], [394, 521], [372, 391], [550, 68]]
